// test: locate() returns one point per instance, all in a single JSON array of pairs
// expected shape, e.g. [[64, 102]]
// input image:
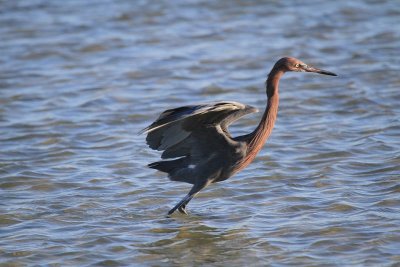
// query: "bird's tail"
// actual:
[[164, 166], [177, 169]]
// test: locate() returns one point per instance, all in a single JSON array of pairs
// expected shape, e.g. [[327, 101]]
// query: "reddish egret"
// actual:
[[198, 144]]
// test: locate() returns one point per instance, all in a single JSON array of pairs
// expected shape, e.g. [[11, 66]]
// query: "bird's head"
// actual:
[[293, 64]]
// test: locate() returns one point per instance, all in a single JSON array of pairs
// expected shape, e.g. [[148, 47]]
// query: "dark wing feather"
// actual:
[[193, 132], [174, 125]]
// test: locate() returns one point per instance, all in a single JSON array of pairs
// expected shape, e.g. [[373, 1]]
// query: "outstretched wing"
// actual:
[[193, 134]]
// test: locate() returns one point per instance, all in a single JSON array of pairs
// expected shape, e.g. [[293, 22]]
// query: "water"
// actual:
[[78, 80]]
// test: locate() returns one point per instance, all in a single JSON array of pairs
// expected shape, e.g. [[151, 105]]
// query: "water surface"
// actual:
[[78, 81]]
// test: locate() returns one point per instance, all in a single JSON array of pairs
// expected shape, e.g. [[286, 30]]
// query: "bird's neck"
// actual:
[[257, 138], [264, 129]]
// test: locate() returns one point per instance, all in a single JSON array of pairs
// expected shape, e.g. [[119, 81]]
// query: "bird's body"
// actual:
[[197, 145]]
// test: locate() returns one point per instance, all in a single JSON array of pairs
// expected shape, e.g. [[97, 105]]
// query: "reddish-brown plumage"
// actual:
[[256, 140]]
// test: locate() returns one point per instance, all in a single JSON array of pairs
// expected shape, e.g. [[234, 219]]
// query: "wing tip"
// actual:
[[143, 131], [151, 128], [252, 109]]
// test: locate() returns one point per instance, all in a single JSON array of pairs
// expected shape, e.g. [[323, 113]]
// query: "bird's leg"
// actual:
[[181, 203], [181, 206]]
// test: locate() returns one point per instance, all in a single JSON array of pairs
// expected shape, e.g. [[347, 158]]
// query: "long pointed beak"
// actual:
[[312, 69]]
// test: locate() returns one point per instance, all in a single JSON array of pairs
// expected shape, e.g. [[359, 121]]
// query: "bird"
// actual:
[[197, 146]]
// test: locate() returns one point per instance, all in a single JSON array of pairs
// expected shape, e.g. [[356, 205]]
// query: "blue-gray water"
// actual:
[[79, 79]]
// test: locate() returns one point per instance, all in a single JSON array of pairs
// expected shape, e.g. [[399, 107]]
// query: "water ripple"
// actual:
[[79, 81]]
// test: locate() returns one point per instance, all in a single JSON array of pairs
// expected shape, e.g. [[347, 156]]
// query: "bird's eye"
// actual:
[[297, 65]]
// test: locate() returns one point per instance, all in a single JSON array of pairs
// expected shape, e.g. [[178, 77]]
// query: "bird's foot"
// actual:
[[182, 209]]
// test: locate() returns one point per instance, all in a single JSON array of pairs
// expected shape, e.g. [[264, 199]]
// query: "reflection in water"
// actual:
[[197, 243]]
